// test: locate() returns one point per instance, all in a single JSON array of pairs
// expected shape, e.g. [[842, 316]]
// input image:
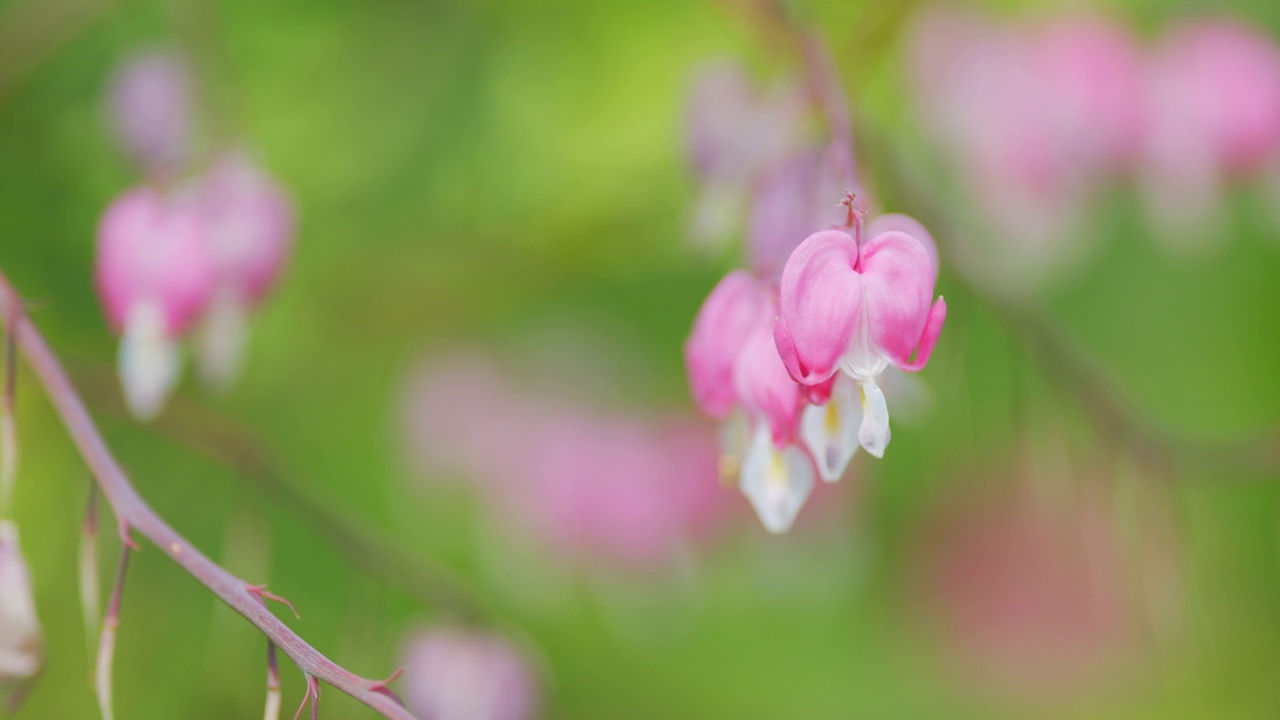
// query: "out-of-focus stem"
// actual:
[[107, 644], [133, 512], [90, 604], [222, 439], [273, 684], [8, 429]]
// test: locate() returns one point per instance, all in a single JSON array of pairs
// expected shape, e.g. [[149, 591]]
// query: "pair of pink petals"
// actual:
[[846, 305]]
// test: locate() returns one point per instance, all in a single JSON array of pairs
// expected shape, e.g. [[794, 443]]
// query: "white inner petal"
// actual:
[[861, 360], [20, 655], [777, 482], [148, 360], [874, 432], [830, 431], [735, 441], [222, 338]]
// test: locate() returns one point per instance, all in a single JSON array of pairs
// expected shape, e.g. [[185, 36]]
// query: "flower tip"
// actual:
[[148, 360], [21, 640], [776, 482]]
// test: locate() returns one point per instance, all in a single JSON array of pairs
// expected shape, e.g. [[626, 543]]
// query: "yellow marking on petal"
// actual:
[[730, 466], [833, 418], [777, 474]]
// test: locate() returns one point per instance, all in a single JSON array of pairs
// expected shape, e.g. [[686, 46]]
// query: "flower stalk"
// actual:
[[107, 643], [90, 604], [273, 684]]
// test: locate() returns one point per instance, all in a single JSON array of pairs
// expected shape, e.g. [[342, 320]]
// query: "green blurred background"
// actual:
[[468, 171]]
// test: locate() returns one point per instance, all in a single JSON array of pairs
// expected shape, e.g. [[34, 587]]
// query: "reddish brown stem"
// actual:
[[133, 512]]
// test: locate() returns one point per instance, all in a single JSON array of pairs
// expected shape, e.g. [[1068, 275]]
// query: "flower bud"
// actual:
[[21, 646], [150, 109]]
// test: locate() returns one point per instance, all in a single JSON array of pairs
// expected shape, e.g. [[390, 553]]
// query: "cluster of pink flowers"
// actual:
[[586, 486], [1041, 117], [787, 354], [180, 252], [457, 673]]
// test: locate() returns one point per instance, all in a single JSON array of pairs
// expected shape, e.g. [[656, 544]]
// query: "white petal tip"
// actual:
[[776, 482], [222, 341], [148, 362]]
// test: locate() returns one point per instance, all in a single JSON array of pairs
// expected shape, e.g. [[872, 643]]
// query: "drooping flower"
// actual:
[[1037, 120], [1213, 94], [737, 377], [857, 308], [154, 276], [249, 228], [736, 130], [150, 109], [593, 488], [456, 673], [21, 643]]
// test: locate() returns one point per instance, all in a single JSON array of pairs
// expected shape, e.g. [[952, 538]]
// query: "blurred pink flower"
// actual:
[[21, 644], [736, 130], [796, 199], [154, 276], [1037, 119], [591, 487], [457, 673], [1214, 109], [1090, 70], [249, 225], [599, 488], [150, 108], [1032, 600], [857, 308]]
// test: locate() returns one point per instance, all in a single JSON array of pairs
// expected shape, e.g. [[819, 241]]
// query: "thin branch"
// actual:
[[107, 643], [228, 442], [133, 512], [8, 427], [89, 577]]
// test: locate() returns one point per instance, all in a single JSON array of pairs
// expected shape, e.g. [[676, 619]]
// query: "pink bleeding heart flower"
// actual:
[[596, 489], [457, 673], [858, 308], [150, 109], [154, 277], [737, 377], [250, 225], [1036, 121], [737, 305], [1214, 114], [1031, 602], [21, 640], [614, 491], [1092, 69]]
